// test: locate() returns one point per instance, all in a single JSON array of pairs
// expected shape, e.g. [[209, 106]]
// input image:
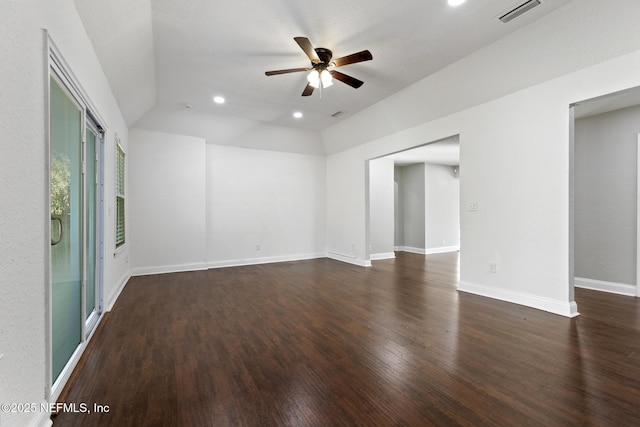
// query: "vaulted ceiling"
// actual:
[[172, 54]]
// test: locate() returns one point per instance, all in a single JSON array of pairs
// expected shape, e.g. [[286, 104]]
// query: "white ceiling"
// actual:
[[169, 53]]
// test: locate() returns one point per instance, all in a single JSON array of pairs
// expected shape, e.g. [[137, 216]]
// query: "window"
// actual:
[[120, 197]]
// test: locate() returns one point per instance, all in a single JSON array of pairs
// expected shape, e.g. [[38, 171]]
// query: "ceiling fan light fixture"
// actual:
[[317, 78], [314, 78], [326, 78]]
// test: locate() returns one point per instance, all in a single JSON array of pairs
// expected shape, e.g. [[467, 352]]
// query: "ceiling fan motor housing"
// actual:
[[325, 56]]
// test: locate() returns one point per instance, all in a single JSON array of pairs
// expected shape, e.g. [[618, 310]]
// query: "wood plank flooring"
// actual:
[[322, 343]]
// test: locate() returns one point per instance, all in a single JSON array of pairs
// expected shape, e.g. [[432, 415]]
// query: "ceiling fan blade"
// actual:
[[365, 55], [306, 45], [288, 70], [351, 81], [307, 90]]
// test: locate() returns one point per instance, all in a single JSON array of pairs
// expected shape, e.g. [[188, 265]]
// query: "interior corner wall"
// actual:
[[167, 199], [442, 211], [264, 206], [606, 197], [196, 205], [381, 208], [24, 193]]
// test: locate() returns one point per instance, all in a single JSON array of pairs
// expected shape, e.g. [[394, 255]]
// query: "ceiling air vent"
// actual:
[[338, 114], [519, 10]]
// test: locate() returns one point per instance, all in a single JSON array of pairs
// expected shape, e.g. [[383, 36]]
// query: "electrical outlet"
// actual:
[[472, 206], [492, 267], [258, 247]]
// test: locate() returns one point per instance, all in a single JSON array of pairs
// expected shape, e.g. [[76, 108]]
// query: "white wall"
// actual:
[[381, 208], [167, 199], [514, 149], [605, 200], [442, 211], [196, 205], [24, 194], [412, 198], [267, 198]]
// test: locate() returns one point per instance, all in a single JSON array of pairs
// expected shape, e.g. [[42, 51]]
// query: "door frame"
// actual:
[[91, 322], [57, 66], [638, 217]]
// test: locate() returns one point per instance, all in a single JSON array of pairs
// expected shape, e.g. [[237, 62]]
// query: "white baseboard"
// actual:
[[178, 268], [145, 271], [563, 308], [264, 260], [421, 251], [442, 249], [349, 259], [383, 255], [600, 285], [114, 296], [43, 420], [35, 418]]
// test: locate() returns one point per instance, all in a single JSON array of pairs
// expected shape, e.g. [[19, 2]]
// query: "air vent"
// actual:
[[338, 114], [519, 10]]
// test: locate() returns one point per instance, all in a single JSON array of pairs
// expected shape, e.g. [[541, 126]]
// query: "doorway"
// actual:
[[605, 193], [414, 200]]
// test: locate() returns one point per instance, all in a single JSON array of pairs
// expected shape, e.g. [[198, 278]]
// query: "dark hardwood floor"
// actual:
[[322, 343]]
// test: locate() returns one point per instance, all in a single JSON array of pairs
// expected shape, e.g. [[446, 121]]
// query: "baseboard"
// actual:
[[383, 255], [442, 249], [349, 259], [600, 285], [114, 297], [421, 251], [39, 417], [563, 308], [43, 419], [146, 271], [264, 260]]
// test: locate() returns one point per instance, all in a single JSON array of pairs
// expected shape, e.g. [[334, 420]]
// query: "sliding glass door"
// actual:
[[66, 121], [75, 175]]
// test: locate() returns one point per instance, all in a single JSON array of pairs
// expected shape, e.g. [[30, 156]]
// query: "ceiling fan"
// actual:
[[322, 67]]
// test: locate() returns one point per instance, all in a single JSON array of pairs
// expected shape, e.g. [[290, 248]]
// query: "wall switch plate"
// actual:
[[492, 267]]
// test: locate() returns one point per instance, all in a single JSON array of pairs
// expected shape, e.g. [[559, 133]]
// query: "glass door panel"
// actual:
[[66, 225]]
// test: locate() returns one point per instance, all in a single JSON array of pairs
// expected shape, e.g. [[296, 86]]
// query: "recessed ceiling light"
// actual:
[[218, 100], [297, 115], [456, 2]]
